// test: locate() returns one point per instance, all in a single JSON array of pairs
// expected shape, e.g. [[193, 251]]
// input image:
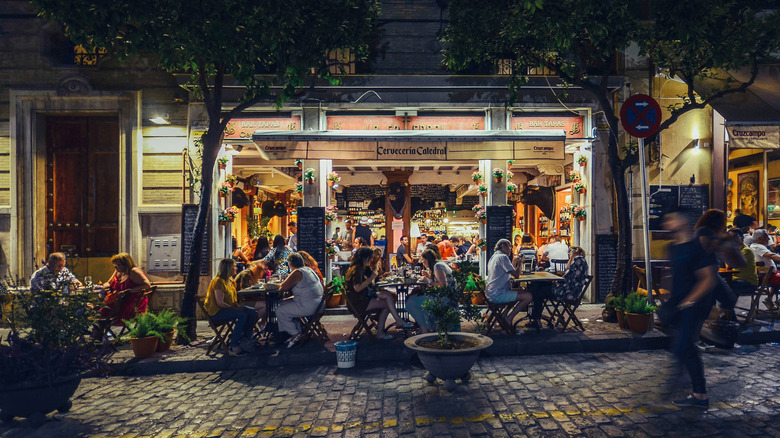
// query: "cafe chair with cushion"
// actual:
[[496, 315], [106, 326], [222, 330], [755, 298], [312, 327], [558, 266], [366, 321], [563, 312]]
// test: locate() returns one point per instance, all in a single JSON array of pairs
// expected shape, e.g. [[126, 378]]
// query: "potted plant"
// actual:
[[482, 190], [330, 214], [224, 189], [298, 163], [309, 175], [582, 160], [481, 214], [498, 174], [231, 179], [333, 178], [579, 212], [228, 215], [298, 187], [448, 355], [144, 335], [579, 187], [222, 162], [573, 176], [477, 177], [339, 289], [618, 303], [167, 322], [47, 352], [638, 313], [509, 164]]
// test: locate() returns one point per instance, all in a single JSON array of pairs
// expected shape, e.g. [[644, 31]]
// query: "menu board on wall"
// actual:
[[696, 199], [499, 226], [606, 264], [430, 192], [663, 199], [311, 232], [189, 216]]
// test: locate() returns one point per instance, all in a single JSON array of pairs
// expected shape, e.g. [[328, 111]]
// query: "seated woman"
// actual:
[[125, 286], [309, 261], [222, 305], [363, 296], [276, 259], [307, 296], [376, 261], [238, 255], [564, 290], [440, 274], [250, 276]]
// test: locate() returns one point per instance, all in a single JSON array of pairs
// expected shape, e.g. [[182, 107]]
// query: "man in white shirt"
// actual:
[[498, 288], [768, 259], [421, 242], [292, 241], [557, 250], [346, 235]]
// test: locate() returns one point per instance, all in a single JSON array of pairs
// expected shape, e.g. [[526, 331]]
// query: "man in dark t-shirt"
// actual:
[[694, 274], [402, 253]]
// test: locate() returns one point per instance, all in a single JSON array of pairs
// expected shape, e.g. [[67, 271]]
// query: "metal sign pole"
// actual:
[[646, 222]]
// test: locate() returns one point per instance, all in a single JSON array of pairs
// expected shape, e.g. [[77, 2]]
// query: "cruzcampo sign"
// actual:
[[754, 136]]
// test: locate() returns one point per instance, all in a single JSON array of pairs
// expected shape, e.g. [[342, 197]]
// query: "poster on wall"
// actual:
[[773, 198], [747, 193]]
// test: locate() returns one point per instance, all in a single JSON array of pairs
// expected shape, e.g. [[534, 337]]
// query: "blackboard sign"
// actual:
[[189, 216], [696, 198], [662, 200], [606, 257], [466, 202], [499, 226], [430, 192], [311, 233], [341, 201], [358, 197]]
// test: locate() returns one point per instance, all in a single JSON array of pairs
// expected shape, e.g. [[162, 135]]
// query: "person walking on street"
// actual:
[[694, 276]]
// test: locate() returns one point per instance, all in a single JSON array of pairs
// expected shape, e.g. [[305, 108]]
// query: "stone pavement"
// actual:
[[582, 394], [598, 337]]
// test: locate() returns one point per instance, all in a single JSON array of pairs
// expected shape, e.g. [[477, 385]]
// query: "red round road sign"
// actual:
[[640, 115]]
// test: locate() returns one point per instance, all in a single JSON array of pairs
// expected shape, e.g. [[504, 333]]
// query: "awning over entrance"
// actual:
[[537, 145]]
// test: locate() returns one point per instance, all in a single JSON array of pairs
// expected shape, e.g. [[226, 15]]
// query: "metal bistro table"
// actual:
[[541, 276], [402, 288], [272, 295]]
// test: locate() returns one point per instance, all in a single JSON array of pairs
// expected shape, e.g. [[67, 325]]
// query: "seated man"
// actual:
[[498, 288], [402, 253], [53, 275], [565, 290], [746, 280], [768, 259]]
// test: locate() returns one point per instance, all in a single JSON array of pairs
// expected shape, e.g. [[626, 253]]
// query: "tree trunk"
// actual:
[[188, 304]]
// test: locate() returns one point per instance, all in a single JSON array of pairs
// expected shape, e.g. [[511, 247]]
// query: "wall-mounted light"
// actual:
[[160, 120], [696, 143]]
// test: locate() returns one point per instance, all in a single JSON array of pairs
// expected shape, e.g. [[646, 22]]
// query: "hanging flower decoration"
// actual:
[[574, 176], [498, 174], [511, 187], [330, 248], [582, 160], [509, 164], [330, 214], [309, 175], [477, 207], [579, 212], [228, 215], [481, 214], [579, 187], [298, 187], [333, 178], [225, 189], [481, 243], [231, 179], [477, 177], [509, 174], [482, 190], [298, 163], [222, 162]]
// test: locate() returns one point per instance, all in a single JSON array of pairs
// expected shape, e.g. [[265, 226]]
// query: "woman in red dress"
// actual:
[[130, 280]]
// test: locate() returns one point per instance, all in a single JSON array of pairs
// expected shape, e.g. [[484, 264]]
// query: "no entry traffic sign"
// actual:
[[640, 115]]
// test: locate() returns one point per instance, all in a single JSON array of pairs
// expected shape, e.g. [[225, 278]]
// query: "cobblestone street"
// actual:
[[605, 394]]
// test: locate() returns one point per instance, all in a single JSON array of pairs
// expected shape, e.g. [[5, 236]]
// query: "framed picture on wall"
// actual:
[[747, 193], [773, 198]]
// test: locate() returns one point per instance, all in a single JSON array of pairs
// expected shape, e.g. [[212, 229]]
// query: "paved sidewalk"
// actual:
[[582, 394], [598, 337]]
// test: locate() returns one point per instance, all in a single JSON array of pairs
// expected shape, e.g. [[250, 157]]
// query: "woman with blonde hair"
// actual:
[[222, 305], [309, 261], [125, 287]]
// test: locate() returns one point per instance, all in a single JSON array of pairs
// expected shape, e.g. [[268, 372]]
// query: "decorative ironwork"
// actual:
[[88, 59]]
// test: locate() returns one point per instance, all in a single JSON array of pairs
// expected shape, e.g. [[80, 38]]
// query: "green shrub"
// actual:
[[144, 325], [167, 321], [637, 303], [617, 302]]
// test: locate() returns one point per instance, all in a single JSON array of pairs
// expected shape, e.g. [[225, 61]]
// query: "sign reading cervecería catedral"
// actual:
[[401, 123], [754, 136], [242, 129], [572, 125], [411, 151]]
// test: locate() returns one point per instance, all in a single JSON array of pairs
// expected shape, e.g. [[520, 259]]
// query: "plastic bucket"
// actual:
[[346, 352]]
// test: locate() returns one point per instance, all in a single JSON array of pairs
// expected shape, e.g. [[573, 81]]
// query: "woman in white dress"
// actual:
[[307, 296]]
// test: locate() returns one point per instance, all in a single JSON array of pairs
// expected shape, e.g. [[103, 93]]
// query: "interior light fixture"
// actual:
[[160, 120], [696, 143]]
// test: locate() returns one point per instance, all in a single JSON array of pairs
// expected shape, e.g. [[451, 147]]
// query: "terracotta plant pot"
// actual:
[[343, 301], [639, 323], [334, 301], [484, 221], [621, 319], [300, 166], [499, 179], [162, 347], [310, 180], [330, 183], [478, 181], [144, 347], [224, 222], [581, 218], [581, 190], [484, 194], [222, 166], [477, 300]]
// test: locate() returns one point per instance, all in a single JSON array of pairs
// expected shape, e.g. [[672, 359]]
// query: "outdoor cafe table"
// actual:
[[273, 296], [402, 288], [540, 276]]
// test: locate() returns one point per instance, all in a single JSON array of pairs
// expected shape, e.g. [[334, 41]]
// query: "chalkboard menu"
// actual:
[[662, 200], [466, 202], [499, 226], [358, 197], [606, 257], [189, 216], [341, 200], [694, 197], [311, 233], [430, 192]]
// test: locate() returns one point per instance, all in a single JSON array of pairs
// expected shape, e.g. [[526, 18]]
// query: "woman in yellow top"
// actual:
[[222, 305]]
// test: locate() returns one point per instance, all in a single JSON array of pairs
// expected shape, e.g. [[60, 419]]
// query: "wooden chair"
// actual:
[[105, 326], [312, 327], [558, 266], [755, 297], [658, 293], [496, 314], [222, 330], [563, 312], [366, 321]]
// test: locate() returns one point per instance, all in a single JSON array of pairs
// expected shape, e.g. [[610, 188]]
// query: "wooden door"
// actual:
[[82, 185]]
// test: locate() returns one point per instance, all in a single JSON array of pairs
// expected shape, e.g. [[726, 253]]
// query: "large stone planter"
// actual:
[[448, 365], [35, 400]]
